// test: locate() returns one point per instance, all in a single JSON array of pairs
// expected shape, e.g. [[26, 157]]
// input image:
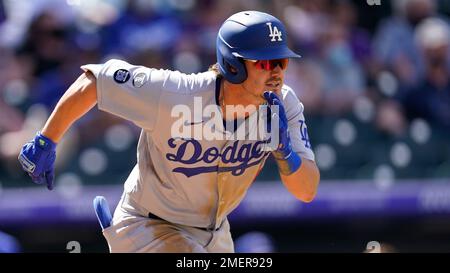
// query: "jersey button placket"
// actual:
[[222, 179]]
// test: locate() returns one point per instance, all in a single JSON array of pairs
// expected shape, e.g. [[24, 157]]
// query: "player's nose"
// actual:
[[276, 71]]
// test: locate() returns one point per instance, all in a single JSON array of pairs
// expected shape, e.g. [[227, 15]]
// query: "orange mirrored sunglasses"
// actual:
[[270, 64]]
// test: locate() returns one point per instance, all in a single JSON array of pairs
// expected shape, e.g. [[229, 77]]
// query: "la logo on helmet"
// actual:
[[274, 32]]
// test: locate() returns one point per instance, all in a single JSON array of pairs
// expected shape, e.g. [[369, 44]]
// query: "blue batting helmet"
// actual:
[[250, 35]]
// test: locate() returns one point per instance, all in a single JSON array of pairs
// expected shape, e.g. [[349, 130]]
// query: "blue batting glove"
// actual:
[[287, 160], [37, 158]]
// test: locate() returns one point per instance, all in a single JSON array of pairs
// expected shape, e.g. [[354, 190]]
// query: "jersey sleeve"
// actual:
[[298, 131], [129, 91]]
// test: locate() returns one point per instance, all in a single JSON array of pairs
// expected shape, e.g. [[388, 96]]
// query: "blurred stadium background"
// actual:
[[374, 80]]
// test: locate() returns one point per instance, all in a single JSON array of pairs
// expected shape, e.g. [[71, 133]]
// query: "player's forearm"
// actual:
[[304, 182], [77, 100]]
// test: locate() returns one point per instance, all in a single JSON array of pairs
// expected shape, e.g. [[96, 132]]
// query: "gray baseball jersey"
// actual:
[[188, 181]]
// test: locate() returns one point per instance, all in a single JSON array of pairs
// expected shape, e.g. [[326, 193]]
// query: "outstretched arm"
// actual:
[[37, 156], [77, 101]]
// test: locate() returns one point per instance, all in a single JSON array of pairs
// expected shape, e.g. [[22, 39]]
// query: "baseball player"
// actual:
[[178, 196]]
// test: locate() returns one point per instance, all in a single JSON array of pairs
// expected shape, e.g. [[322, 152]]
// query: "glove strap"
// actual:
[[288, 161], [44, 142]]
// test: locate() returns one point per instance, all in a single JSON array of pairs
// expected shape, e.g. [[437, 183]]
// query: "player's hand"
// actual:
[[284, 146], [37, 158], [288, 161]]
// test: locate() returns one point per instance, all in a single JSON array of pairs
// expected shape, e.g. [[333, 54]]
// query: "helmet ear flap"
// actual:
[[232, 67], [236, 70]]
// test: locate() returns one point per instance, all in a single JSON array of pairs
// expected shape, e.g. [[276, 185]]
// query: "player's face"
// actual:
[[266, 75]]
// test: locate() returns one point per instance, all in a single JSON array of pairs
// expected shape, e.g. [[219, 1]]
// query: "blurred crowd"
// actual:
[[376, 91]]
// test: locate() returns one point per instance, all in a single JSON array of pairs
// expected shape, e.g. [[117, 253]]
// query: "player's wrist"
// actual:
[[287, 160], [44, 142]]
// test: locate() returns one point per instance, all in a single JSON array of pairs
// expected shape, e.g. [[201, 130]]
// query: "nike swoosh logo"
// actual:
[[187, 123]]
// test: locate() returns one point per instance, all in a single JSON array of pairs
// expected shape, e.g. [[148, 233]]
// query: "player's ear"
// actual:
[[232, 69]]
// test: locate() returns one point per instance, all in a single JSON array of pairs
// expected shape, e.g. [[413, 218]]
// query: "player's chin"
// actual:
[[274, 88]]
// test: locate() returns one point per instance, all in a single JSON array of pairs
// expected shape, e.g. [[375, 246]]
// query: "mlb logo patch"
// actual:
[[121, 76]]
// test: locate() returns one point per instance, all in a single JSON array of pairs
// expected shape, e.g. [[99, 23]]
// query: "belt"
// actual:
[[156, 217]]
